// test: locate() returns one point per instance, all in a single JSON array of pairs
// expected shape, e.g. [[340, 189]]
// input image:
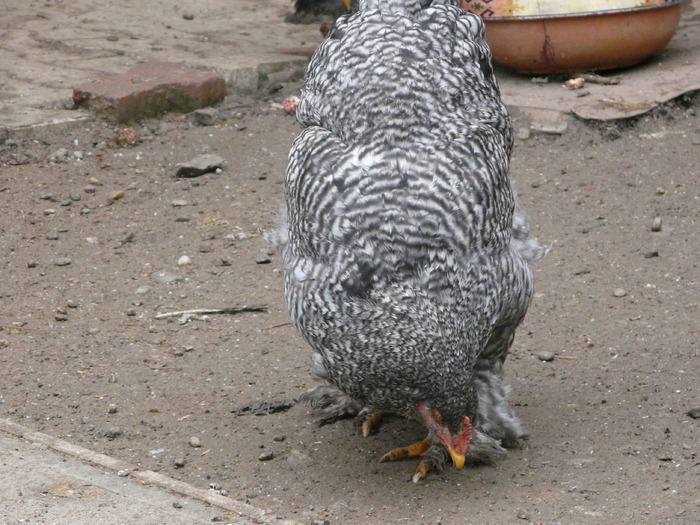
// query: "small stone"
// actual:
[[62, 261], [112, 38], [179, 462], [280, 438], [47, 197], [184, 261], [263, 260], [52, 236], [116, 195], [199, 166], [61, 317], [32, 264], [665, 487], [142, 290], [71, 304], [188, 16], [656, 224], [619, 292], [545, 356], [66, 203], [694, 413], [178, 203], [660, 191], [78, 155], [523, 516], [75, 197], [91, 240], [94, 181], [194, 442], [651, 255], [177, 505], [165, 277], [49, 211], [523, 133], [110, 433], [89, 189], [84, 211], [60, 155], [206, 116], [266, 456], [112, 408], [123, 473]]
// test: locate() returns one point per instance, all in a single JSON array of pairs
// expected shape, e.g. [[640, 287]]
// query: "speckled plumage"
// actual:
[[406, 257]]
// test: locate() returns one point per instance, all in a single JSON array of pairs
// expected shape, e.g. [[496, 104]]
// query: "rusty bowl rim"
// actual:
[[581, 14]]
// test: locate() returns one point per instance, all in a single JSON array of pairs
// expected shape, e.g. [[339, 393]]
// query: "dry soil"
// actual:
[[91, 247]]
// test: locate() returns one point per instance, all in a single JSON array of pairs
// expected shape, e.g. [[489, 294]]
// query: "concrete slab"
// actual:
[[48, 480]]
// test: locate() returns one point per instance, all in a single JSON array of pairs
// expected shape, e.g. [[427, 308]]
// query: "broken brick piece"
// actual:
[[150, 89]]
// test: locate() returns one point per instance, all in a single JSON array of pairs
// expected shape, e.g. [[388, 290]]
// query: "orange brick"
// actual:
[[150, 89]]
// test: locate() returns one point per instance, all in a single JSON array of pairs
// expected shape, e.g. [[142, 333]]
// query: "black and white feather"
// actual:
[[406, 256]]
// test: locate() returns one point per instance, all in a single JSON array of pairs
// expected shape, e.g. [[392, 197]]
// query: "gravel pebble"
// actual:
[[266, 456], [177, 203], [179, 462], [206, 116], [60, 155], [545, 356], [62, 261], [694, 413], [71, 304], [194, 442], [199, 166], [523, 133], [165, 277], [89, 189], [619, 292], [656, 224], [123, 473], [52, 236], [184, 261], [112, 408]]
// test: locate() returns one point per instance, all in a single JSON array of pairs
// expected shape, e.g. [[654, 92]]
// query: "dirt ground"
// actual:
[[91, 247]]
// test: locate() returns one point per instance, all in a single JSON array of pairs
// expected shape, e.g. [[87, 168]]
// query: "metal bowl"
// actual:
[[530, 37]]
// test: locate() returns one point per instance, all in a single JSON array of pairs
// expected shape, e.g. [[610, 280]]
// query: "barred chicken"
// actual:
[[406, 255]]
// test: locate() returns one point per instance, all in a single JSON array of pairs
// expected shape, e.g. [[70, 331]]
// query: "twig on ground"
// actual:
[[201, 311], [592, 78]]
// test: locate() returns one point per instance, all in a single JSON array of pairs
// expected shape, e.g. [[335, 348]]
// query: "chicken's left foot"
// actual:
[[433, 457]]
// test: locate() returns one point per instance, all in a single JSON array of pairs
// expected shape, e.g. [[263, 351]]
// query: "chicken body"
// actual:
[[406, 257]]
